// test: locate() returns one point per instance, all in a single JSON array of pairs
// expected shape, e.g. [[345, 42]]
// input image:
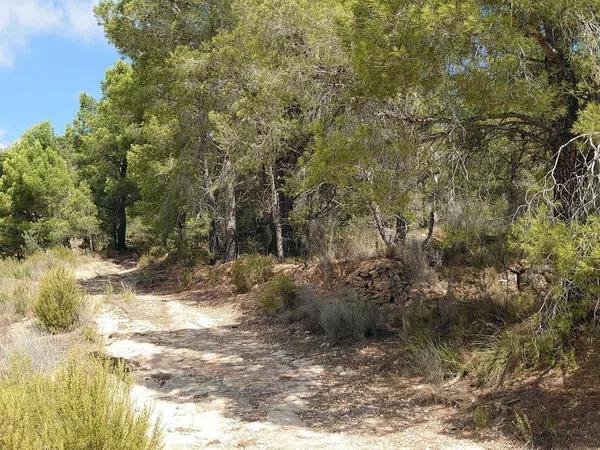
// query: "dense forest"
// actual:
[[284, 127], [467, 132]]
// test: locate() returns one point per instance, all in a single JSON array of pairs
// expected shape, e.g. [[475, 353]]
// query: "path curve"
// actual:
[[215, 384]]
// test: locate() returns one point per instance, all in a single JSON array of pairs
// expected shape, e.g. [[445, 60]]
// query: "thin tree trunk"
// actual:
[[401, 229], [381, 225], [231, 247], [276, 213], [121, 243], [430, 227], [213, 235]]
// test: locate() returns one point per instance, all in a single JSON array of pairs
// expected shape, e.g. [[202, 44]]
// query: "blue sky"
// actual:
[[50, 52]]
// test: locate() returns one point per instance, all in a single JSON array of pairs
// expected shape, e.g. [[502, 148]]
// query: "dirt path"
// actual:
[[217, 384]]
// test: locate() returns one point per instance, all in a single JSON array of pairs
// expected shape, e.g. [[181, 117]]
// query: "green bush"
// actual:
[[250, 270], [572, 248], [79, 406], [59, 300], [279, 295]]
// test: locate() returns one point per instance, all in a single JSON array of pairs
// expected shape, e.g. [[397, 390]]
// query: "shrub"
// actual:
[[58, 301], [307, 309], [80, 405], [337, 320], [279, 295], [417, 267], [344, 317], [523, 428], [434, 361], [127, 293], [62, 254], [146, 260], [250, 270], [186, 277]]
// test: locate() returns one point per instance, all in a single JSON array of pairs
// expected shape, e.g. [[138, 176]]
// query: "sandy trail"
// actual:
[[216, 385]]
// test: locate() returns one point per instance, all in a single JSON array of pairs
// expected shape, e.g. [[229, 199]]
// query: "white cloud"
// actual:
[[22, 20], [3, 144]]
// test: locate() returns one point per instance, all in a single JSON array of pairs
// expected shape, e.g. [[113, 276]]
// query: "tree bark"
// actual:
[[430, 227], [120, 243], [401, 229], [569, 163], [381, 225], [231, 245], [276, 213], [213, 235], [121, 235]]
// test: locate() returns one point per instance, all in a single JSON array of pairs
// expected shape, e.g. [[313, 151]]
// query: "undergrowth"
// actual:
[[278, 295], [80, 405], [250, 270], [342, 316], [19, 280]]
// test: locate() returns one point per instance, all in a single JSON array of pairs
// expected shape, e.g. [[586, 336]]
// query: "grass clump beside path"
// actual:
[[81, 405]]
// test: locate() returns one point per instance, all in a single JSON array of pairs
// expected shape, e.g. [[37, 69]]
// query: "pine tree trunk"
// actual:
[[430, 227], [381, 225], [120, 243], [568, 166], [569, 163], [401, 230], [231, 247], [276, 213], [213, 234]]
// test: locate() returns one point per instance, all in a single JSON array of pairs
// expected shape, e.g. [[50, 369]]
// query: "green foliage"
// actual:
[[588, 121], [476, 233], [250, 270], [18, 280], [80, 405], [481, 417], [40, 199], [58, 301], [102, 137], [573, 249], [278, 295]]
